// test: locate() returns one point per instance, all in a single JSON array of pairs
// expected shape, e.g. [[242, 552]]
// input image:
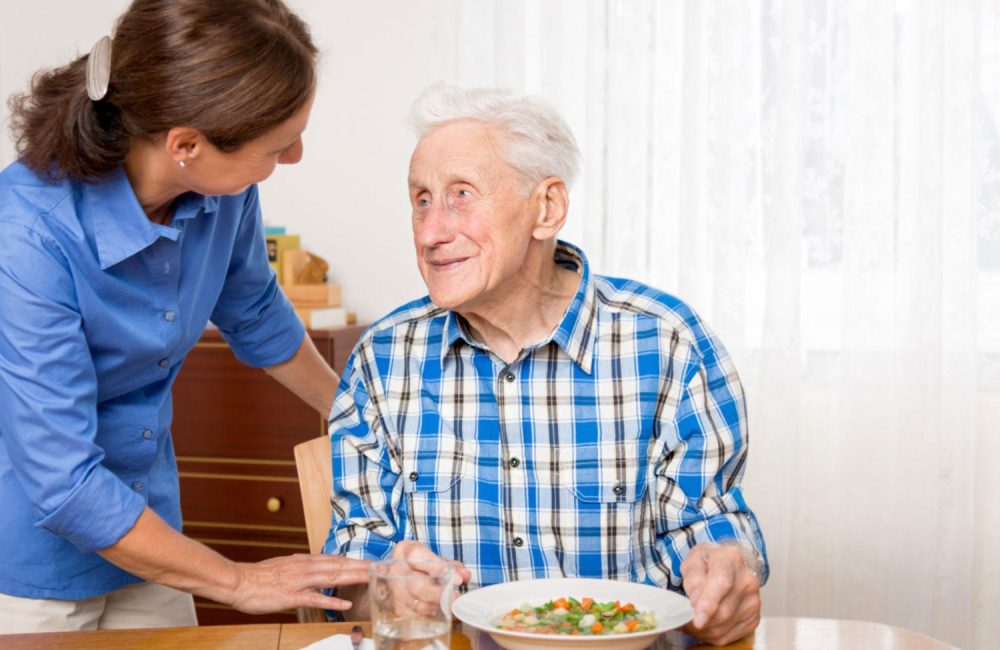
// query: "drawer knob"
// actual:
[[274, 504]]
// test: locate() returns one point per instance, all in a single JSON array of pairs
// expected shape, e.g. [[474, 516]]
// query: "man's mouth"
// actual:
[[447, 264]]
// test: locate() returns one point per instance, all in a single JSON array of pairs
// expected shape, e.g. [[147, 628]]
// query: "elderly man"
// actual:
[[529, 419]]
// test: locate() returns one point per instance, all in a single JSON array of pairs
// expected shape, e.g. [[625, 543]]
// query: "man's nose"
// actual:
[[437, 226]]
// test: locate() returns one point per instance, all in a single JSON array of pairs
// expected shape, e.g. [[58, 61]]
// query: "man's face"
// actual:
[[472, 218]]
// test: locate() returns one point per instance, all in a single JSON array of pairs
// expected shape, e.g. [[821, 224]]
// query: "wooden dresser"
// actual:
[[234, 428]]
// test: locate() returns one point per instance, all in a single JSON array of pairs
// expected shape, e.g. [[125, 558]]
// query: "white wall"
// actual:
[[48, 33], [347, 198]]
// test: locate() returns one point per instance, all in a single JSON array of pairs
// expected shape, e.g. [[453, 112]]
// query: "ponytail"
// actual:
[[58, 131], [233, 70]]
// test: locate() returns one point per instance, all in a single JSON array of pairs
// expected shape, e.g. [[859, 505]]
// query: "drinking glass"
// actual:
[[411, 604]]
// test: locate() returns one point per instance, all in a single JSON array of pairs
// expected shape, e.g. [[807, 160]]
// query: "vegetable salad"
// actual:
[[578, 617]]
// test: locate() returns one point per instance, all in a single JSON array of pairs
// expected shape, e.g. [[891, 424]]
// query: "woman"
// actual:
[[130, 220]]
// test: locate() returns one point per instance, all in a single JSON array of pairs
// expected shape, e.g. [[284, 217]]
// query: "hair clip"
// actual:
[[99, 69]]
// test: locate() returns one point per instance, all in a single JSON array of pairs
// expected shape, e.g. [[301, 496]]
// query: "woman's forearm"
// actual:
[[156, 552], [309, 376]]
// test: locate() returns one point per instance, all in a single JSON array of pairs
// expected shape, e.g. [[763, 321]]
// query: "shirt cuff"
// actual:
[[273, 339], [363, 547], [98, 513]]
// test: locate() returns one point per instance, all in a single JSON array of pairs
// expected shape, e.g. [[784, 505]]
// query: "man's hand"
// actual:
[[422, 589], [724, 593], [415, 552]]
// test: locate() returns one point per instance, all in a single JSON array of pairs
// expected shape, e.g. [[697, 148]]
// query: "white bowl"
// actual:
[[482, 608]]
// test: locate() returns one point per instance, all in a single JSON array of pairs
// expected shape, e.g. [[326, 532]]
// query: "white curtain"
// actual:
[[821, 180]]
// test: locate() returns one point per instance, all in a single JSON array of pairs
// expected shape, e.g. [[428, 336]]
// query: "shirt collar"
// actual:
[[574, 335], [121, 227]]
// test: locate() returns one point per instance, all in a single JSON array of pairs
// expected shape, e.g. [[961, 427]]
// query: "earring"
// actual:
[[181, 163]]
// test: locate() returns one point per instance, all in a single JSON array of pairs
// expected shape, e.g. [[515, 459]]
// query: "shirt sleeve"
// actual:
[[698, 495], [367, 491], [252, 313], [48, 389]]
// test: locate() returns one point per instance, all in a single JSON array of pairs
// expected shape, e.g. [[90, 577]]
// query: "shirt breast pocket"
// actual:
[[433, 468], [607, 488]]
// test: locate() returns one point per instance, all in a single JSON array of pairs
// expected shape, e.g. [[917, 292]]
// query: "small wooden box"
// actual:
[[313, 295]]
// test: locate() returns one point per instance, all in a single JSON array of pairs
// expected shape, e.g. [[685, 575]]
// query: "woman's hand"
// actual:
[[155, 551], [282, 583]]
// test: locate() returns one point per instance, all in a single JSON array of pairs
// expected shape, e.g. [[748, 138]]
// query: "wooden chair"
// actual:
[[312, 461]]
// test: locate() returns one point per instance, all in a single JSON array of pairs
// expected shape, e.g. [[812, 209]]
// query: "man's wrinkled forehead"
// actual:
[[456, 150]]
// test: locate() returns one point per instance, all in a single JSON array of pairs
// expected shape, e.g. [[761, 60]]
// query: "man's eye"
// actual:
[[463, 194]]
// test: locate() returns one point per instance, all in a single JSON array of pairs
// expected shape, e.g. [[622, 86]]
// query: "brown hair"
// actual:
[[233, 69]]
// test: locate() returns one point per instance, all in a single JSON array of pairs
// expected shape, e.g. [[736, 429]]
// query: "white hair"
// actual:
[[538, 143]]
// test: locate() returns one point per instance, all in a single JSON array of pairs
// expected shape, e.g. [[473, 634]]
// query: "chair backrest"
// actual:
[[312, 460]]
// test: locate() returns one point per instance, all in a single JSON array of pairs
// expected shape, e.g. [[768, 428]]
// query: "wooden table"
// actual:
[[773, 634]]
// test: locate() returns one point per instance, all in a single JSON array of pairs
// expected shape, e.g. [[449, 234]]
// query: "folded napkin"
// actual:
[[340, 642]]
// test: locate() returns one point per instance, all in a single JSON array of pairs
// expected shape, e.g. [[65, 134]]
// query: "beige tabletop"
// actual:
[[774, 633]]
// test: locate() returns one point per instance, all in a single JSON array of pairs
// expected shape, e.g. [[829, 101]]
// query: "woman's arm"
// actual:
[[155, 551], [307, 375]]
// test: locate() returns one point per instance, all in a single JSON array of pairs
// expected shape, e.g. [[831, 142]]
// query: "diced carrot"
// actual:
[[596, 627], [562, 602], [631, 625], [586, 603], [618, 606], [628, 607], [513, 612]]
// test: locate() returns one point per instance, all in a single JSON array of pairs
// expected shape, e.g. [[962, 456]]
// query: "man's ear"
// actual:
[[184, 144], [552, 201]]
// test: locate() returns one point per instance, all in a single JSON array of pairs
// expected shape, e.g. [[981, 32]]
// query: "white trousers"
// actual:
[[144, 604]]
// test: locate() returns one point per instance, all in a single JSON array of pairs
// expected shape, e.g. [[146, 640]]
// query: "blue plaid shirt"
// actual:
[[608, 450]]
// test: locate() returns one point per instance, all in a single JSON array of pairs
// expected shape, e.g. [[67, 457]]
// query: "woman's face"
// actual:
[[214, 172]]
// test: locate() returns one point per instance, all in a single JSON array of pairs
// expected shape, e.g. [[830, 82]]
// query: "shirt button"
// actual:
[[514, 462], [509, 376], [170, 315], [147, 434], [164, 363], [414, 476], [166, 267], [619, 489], [137, 486], [518, 542]]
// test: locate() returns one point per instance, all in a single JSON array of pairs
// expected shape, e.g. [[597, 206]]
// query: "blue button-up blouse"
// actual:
[[98, 307]]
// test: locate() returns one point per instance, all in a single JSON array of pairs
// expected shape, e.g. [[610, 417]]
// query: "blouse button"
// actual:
[[518, 542], [414, 476], [619, 489], [509, 376], [514, 462]]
